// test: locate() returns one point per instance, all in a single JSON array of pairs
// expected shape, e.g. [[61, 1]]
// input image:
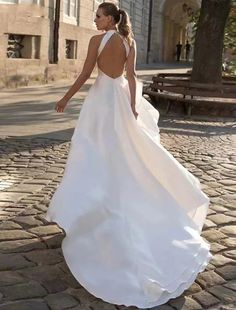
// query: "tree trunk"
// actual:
[[207, 66]]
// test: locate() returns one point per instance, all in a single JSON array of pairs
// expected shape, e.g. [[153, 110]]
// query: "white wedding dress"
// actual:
[[131, 212]]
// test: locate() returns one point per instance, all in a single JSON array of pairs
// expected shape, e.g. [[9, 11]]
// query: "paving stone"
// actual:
[[210, 267], [45, 230], [42, 273], [209, 278], [13, 262], [56, 170], [231, 254], [60, 301], [229, 230], [185, 303], [216, 247], [231, 213], [194, 288], [28, 290], [11, 197], [228, 272], [25, 305], [71, 281], [230, 166], [47, 175], [17, 246], [231, 284], [101, 305], [15, 235], [210, 212], [162, 307], [9, 225], [213, 235], [220, 260], [221, 219], [41, 207], [218, 208], [10, 278], [53, 241], [82, 295], [208, 224], [55, 286], [228, 307], [37, 181], [28, 221], [31, 211], [229, 242], [223, 293], [26, 188], [45, 257], [228, 182], [206, 299]]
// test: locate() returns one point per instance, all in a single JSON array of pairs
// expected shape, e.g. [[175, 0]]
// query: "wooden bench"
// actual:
[[176, 87]]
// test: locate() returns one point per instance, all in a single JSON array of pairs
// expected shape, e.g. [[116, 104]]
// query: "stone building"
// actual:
[[43, 40]]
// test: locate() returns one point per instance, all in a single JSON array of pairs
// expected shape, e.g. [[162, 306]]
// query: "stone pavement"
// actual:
[[33, 273]]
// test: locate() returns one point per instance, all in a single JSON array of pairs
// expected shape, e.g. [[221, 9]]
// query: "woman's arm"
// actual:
[[88, 67], [131, 76]]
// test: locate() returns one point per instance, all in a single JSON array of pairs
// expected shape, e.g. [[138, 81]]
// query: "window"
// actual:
[[23, 46], [132, 11], [9, 1], [70, 8], [144, 17], [39, 2], [71, 49], [96, 3]]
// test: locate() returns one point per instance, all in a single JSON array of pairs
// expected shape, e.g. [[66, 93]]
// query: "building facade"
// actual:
[[43, 40]]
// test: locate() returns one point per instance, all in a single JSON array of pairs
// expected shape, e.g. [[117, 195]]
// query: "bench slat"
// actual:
[[187, 83], [196, 92], [181, 99]]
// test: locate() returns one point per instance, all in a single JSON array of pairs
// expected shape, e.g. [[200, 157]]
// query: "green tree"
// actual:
[[230, 28]]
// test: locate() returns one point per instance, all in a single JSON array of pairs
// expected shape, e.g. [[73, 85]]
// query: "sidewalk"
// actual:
[[29, 111]]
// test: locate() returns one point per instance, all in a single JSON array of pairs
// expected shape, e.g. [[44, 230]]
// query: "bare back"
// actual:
[[113, 55]]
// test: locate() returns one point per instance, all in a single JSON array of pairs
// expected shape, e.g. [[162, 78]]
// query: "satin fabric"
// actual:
[[131, 212]]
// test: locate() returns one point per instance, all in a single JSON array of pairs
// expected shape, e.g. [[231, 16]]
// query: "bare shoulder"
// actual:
[[96, 39], [133, 44]]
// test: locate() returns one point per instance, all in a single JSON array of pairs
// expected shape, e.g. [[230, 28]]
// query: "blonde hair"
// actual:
[[121, 18]]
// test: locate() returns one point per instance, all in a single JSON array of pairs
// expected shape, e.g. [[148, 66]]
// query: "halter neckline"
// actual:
[[112, 30], [106, 38]]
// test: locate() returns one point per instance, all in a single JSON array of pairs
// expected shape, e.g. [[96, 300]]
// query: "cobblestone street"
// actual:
[[34, 146], [33, 272]]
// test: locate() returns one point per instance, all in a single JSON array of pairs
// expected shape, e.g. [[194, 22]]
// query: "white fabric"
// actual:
[[107, 36], [131, 212]]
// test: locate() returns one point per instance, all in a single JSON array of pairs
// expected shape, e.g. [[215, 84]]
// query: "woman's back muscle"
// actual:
[[112, 58]]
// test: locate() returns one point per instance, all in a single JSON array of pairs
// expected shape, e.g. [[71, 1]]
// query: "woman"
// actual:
[[131, 212]]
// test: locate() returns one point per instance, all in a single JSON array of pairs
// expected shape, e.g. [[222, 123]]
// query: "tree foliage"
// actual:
[[230, 28]]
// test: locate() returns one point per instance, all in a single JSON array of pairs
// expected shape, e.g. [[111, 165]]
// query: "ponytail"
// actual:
[[121, 19], [124, 26]]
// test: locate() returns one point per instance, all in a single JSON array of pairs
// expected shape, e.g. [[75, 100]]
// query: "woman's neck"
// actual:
[[112, 28]]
